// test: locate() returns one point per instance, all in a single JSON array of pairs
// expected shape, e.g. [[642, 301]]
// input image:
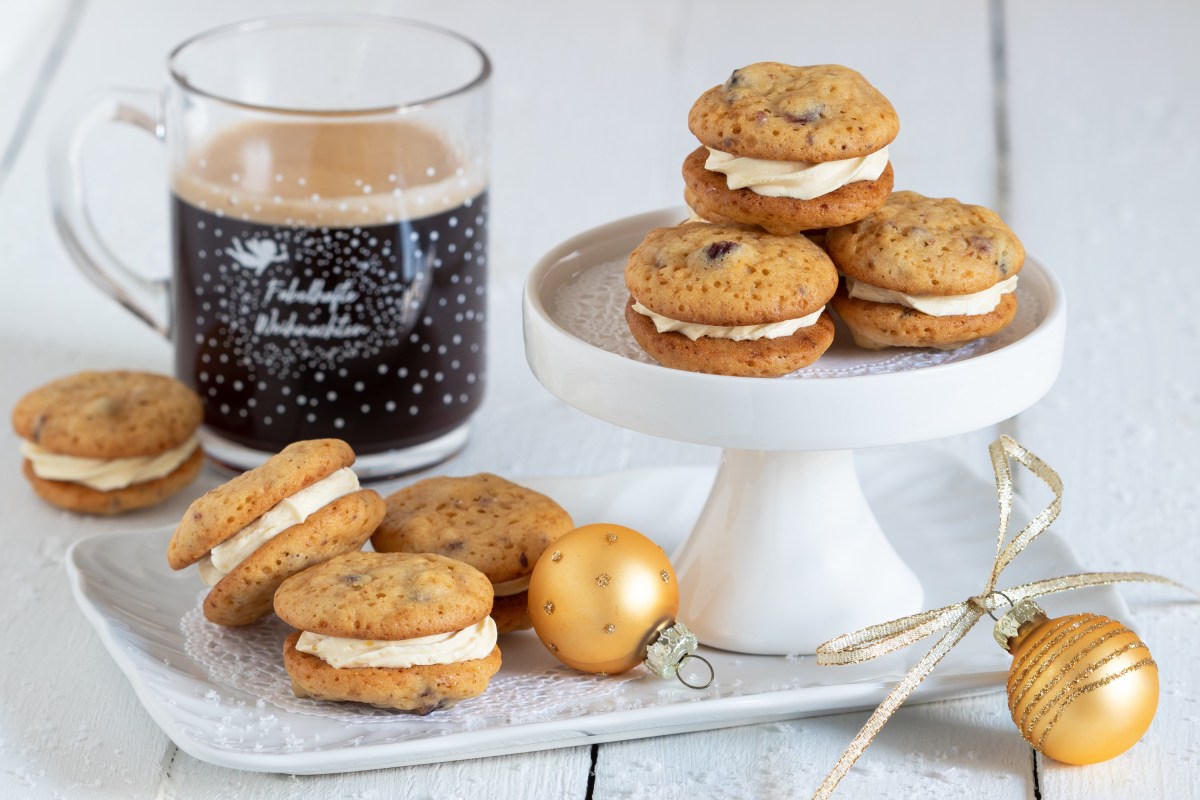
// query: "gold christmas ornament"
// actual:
[[603, 599], [1082, 688]]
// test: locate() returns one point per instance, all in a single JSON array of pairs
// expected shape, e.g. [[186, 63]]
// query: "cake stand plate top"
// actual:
[[579, 347]]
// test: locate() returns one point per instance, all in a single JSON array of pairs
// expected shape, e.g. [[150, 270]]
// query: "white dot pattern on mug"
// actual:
[[327, 331]]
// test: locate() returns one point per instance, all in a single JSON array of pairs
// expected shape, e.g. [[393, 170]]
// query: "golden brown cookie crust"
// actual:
[[511, 613], [222, 512], [876, 326], [115, 414], [248, 591], [780, 112], [729, 275], [761, 358], [419, 689], [712, 217], [495, 525], [77, 497], [709, 194], [925, 245], [385, 596]]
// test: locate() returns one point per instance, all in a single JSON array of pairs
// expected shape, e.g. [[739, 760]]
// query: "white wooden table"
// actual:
[[1077, 120]]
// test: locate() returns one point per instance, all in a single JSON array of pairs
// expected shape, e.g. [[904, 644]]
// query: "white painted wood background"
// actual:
[[1078, 120]]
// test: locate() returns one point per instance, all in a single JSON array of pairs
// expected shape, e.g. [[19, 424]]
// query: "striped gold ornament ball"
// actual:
[[1082, 688]]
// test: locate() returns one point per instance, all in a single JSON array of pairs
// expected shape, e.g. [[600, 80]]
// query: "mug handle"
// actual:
[[148, 298]]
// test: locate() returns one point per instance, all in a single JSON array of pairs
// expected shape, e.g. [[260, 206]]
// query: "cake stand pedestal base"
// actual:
[[787, 554]]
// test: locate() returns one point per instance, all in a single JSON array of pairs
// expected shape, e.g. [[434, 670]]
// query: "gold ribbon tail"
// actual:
[[1084, 580], [968, 616], [887, 637]]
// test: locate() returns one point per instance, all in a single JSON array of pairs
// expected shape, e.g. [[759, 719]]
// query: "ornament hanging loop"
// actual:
[[712, 673], [1006, 597], [675, 645]]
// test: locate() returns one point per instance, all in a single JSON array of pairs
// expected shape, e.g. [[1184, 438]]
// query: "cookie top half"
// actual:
[[219, 514], [493, 524], [107, 415], [926, 245], [779, 112], [389, 596], [729, 275]]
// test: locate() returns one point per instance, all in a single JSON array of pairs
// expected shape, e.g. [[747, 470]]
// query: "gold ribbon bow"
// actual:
[[878, 640]]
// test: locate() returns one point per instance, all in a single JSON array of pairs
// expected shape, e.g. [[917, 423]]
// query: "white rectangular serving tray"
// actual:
[[222, 696]]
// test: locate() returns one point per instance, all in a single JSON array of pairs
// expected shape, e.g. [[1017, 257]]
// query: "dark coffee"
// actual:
[[302, 315]]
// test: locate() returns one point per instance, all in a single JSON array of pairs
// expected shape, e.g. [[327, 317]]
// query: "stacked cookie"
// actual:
[[412, 626], [736, 290], [790, 149], [729, 299], [109, 442], [247, 536], [926, 272], [494, 525], [793, 161], [396, 630]]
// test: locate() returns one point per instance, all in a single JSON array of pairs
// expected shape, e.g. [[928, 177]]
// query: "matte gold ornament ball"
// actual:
[[600, 595], [1082, 688]]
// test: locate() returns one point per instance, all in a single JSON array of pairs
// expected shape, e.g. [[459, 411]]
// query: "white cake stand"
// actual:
[[786, 552]]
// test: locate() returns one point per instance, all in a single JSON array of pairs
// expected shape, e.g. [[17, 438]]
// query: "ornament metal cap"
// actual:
[[674, 645], [1008, 627]]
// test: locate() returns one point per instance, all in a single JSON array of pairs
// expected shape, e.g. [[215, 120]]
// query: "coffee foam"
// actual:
[[327, 173]]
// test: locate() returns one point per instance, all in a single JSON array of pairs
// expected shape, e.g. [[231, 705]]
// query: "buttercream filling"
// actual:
[[103, 474], [289, 511], [738, 333], [799, 180], [468, 644], [936, 305], [509, 588]]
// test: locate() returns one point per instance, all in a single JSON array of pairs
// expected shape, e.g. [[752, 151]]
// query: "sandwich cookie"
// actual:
[[300, 508], [396, 630], [926, 272], [109, 442], [790, 148], [496, 526], [730, 300]]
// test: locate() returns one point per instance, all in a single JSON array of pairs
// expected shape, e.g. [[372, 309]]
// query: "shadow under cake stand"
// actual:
[[786, 552]]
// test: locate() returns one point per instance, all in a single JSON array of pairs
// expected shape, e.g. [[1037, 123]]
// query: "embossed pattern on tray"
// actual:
[[248, 659]]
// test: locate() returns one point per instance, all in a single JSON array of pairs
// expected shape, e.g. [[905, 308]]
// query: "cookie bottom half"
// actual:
[[77, 497], [420, 689], [511, 613], [712, 217], [760, 358], [876, 326], [710, 196], [247, 593]]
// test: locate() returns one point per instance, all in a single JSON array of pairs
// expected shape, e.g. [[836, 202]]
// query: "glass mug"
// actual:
[[328, 179]]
